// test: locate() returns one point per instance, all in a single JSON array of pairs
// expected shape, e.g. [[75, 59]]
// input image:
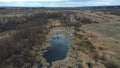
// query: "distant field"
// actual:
[[111, 30]]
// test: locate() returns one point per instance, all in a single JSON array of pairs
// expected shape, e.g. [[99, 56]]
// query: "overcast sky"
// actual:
[[58, 3]]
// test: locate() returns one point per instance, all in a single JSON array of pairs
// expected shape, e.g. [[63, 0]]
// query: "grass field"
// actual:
[[108, 40], [110, 30]]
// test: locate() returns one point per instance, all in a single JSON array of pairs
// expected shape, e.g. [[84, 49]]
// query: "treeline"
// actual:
[[19, 50], [10, 21], [79, 20], [84, 20]]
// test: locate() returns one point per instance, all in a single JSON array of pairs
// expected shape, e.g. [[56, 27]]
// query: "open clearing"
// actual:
[[107, 39]]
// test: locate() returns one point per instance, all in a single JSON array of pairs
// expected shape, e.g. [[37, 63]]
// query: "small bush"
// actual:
[[111, 64]]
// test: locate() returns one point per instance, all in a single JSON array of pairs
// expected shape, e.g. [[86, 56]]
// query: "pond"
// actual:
[[58, 48]]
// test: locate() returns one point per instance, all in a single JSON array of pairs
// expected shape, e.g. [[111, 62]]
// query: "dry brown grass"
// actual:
[[107, 42]]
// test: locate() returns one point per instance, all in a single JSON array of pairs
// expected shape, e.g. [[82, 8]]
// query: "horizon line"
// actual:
[[63, 6]]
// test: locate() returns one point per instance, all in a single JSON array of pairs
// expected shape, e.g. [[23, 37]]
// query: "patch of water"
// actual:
[[58, 48]]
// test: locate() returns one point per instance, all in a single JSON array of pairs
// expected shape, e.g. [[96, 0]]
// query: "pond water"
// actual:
[[58, 48]]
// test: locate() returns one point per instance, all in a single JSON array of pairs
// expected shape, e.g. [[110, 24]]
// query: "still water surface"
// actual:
[[58, 48]]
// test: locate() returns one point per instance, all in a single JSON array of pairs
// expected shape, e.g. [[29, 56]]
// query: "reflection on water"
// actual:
[[58, 49]]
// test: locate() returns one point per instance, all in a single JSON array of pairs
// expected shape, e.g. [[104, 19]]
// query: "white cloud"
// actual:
[[89, 3], [106, 2], [29, 0], [58, 3]]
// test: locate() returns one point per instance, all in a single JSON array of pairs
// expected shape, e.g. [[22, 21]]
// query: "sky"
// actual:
[[58, 3]]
